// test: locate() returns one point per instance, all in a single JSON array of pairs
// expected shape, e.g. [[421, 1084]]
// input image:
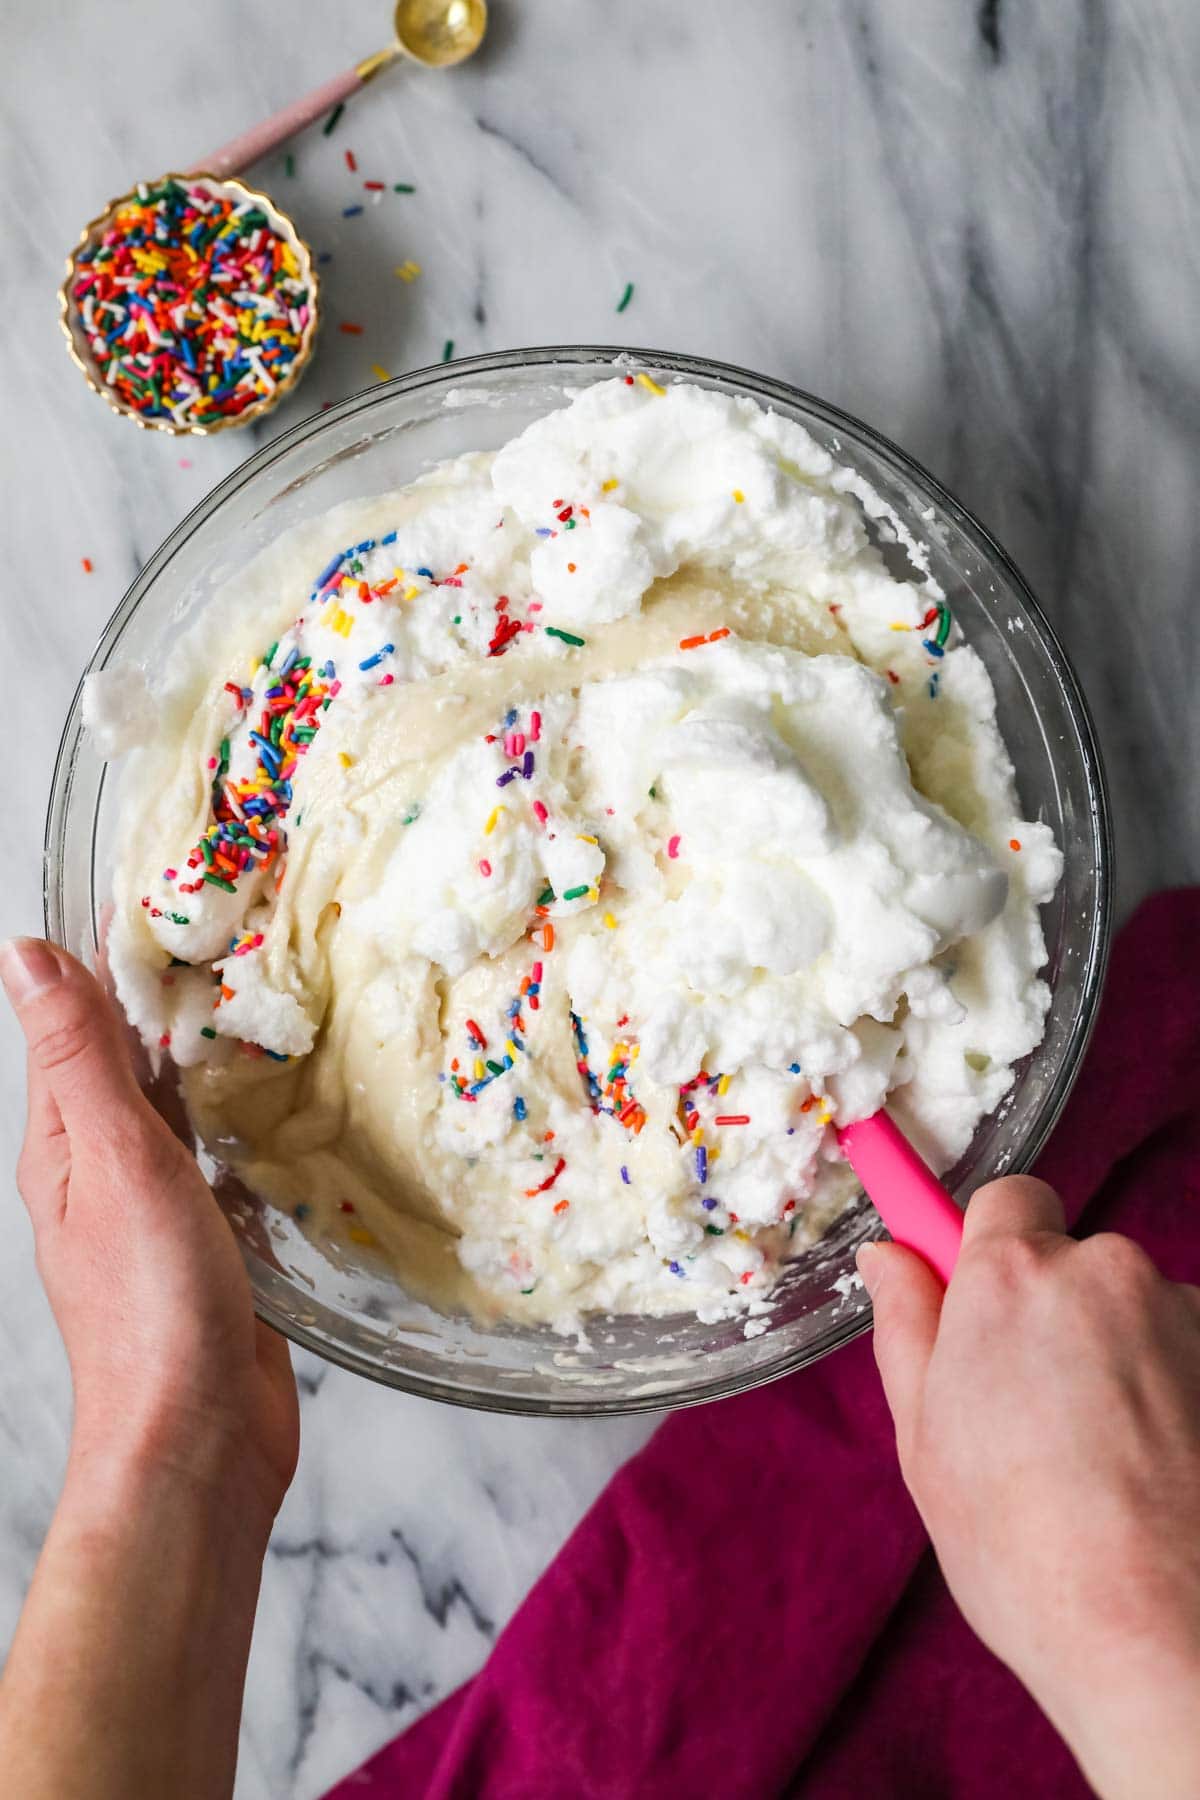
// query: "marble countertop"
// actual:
[[974, 225]]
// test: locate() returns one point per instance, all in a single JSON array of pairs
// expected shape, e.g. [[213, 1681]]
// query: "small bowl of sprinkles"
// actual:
[[191, 304]]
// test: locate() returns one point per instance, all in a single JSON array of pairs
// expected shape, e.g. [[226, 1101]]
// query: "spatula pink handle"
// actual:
[[241, 151], [905, 1192]]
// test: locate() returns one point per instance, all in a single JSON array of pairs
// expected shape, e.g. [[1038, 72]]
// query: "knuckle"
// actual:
[[63, 1043], [1121, 1265], [1006, 1265]]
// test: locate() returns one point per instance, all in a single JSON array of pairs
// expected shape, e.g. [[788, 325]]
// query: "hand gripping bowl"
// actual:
[[362, 1318]]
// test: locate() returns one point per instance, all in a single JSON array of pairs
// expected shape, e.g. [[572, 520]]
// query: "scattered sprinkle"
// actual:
[[626, 297], [349, 329], [289, 165], [648, 382], [447, 349], [625, 1175], [738, 495], [351, 212], [673, 846], [567, 637], [86, 564], [732, 1119], [403, 187], [1014, 843], [407, 271], [333, 118], [351, 162], [379, 372], [606, 487]]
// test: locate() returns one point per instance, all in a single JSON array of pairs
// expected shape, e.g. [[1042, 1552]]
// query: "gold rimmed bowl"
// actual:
[[193, 414]]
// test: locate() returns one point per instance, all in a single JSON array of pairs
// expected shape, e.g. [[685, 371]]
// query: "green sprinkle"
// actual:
[[546, 896], [575, 893], [447, 349], [495, 1067], [943, 630], [457, 619], [207, 1031], [626, 297], [219, 881], [654, 793], [269, 658], [405, 187], [207, 851], [714, 1231], [223, 751], [178, 919], [528, 1290], [333, 118], [289, 163], [568, 637]]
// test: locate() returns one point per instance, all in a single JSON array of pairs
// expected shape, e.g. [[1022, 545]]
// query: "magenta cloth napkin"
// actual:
[[752, 1608]]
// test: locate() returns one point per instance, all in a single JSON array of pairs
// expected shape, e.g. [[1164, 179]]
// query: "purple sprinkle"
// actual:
[[544, 531], [791, 1131], [527, 764], [508, 775], [709, 1204], [701, 1163], [676, 1269], [624, 1174]]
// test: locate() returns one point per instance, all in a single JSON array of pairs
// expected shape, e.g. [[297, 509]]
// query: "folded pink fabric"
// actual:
[[751, 1608]]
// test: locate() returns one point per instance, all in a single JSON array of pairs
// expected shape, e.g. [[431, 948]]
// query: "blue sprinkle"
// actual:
[[625, 1175], [390, 538], [378, 657], [477, 1086], [441, 1077], [701, 1163], [544, 531], [301, 1212], [328, 671], [709, 1204], [518, 1108], [351, 212], [367, 544], [293, 656], [933, 684], [535, 987], [427, 573], [275, 1055], [933, 649], [793, 1068], [328, 573], [507, 1062], [510, 718], [675, 1268], [266, 750], [519, 1042]]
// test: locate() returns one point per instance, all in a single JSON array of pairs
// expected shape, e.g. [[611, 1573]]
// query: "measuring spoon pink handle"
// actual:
[[907, 1195], [241, 151]]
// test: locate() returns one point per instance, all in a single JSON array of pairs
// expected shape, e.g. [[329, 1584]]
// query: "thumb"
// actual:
[[907, 1298], [77, 1054]]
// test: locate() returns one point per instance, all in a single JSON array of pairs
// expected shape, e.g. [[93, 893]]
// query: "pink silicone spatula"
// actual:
[[905, 1192]]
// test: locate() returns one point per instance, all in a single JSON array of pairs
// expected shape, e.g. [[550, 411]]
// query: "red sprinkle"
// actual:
[[560, 1206], [350, 330], [485, 867], [87, 564], [350, 162], [673, 847], [550, 1180], [373, 187], [1014, 843], [732, 1119], [475, 1032]]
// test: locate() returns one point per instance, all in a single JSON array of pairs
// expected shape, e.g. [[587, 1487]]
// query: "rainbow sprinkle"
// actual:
[[193, 305]]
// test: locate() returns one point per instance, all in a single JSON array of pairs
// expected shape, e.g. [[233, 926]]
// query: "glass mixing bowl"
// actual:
[[355, 1313]]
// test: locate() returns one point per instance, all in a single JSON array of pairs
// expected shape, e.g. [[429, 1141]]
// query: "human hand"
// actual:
[[1047, 1411], [168, 1363]]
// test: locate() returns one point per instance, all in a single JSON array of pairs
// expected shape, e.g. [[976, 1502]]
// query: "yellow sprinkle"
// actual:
[[411, 593], [593, 893], [824, 1116], [480, 1071], [379, 372], [511, 1048], [723, 1085], [738, 495], [635, 1053], [398, 574], [408, 271], [896, 627], [698, 1136], [743, 1237], [606, 487], [347, 762], [610, 922], [358, 1234], [492, 817], [645, 381], [585, 837]]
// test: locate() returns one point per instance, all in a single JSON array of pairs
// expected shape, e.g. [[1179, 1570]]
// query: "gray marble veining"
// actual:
[[975, 223]]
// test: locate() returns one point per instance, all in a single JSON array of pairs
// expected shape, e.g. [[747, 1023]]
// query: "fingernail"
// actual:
[[27, 968], [870, 1262]]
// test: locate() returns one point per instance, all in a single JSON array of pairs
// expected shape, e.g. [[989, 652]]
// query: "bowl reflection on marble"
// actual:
[[359, 1315]]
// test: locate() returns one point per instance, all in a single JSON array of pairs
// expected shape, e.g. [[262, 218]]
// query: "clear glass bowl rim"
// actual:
[[765, 389]]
